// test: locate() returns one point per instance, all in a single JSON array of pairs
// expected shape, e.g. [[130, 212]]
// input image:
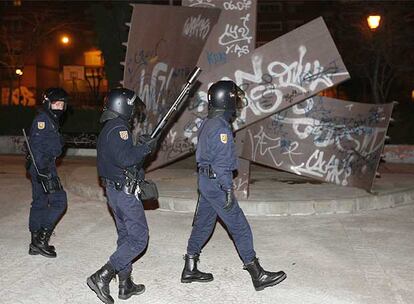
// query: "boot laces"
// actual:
[[195, 258]]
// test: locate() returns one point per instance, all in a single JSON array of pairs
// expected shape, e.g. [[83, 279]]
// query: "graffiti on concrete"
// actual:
[[328, 139], [152, 69], [236, 38], [274, 77], [80, 140], [196, 27], [20, 96]]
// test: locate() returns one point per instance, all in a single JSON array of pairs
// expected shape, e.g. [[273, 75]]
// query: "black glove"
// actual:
[[28, 163], [230, 200], [150, 142]]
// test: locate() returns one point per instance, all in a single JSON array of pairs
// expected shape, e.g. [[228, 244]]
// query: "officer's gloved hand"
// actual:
[[28, 163], [230, 199], [150, 142]]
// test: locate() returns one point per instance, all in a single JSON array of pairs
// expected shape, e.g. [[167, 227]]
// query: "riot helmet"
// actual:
[[122, 103], [224, 97], [52, 95]]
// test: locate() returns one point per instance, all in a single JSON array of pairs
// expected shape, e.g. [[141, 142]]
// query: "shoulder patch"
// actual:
[[123, 135], [223, 138], [40, 125]]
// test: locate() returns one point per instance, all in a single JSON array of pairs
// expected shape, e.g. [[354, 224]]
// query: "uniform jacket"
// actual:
[[45, 141], [116, 151], [216, 147]]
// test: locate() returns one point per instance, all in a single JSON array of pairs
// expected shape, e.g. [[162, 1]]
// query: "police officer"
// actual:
[[118, 160], [216, 161], [49, 198]]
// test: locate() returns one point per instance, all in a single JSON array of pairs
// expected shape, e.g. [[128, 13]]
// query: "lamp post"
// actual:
[[19, 73], [373, 22]]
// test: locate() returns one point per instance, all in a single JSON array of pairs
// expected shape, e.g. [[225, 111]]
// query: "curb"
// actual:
[[252, 207], [301, 207]]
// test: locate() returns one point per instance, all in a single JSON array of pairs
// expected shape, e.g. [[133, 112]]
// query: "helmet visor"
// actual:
[[139, 110], [241, 100]]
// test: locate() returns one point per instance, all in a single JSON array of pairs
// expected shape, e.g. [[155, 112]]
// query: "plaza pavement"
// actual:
[[364, 257]]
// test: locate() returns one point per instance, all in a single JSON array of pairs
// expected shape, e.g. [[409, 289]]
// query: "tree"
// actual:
[[24, 29], [379, 58]]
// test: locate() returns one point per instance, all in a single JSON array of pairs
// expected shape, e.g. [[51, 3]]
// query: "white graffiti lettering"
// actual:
[[334, 171], [263, 144], [260, 146], [171, 136], [237, 38], [327, 133], [201, 3], [240, 183], [237, 5], [192, 129], [154, 89], [265, 90], [198, 27]]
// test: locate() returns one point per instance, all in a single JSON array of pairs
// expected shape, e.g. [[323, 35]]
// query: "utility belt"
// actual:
[[207, 171], [140, 188], [50, 184], [128, 187]]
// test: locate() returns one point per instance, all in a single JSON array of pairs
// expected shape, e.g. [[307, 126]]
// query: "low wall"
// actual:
[[14, 145], [399, 154]]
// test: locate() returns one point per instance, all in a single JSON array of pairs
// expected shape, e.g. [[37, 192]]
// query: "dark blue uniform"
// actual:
[[46, 143], [216, 148], [116, 152]]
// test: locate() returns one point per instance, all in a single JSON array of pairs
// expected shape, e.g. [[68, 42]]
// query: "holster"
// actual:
[[146, 189], [130, 186], [149, 190], [207, 170], [52, 184]]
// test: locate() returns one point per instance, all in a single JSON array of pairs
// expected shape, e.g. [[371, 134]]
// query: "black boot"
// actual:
[[46, 234], [127, 288], [99, 283], [262, 278], [40, 246], [191, 273]]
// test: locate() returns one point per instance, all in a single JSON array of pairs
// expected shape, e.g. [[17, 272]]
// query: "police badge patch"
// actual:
[[223, 138], [123, 135], [40, 125]]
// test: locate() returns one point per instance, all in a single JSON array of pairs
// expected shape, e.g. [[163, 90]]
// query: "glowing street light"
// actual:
[[19, 73], [373, 21], [65, 39]]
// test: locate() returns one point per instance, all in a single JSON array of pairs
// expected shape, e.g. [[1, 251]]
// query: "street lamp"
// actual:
[[373, 22], [19, 73], [65, 39]]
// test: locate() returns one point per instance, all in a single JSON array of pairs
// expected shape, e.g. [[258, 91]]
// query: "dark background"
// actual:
[[380, 62]]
